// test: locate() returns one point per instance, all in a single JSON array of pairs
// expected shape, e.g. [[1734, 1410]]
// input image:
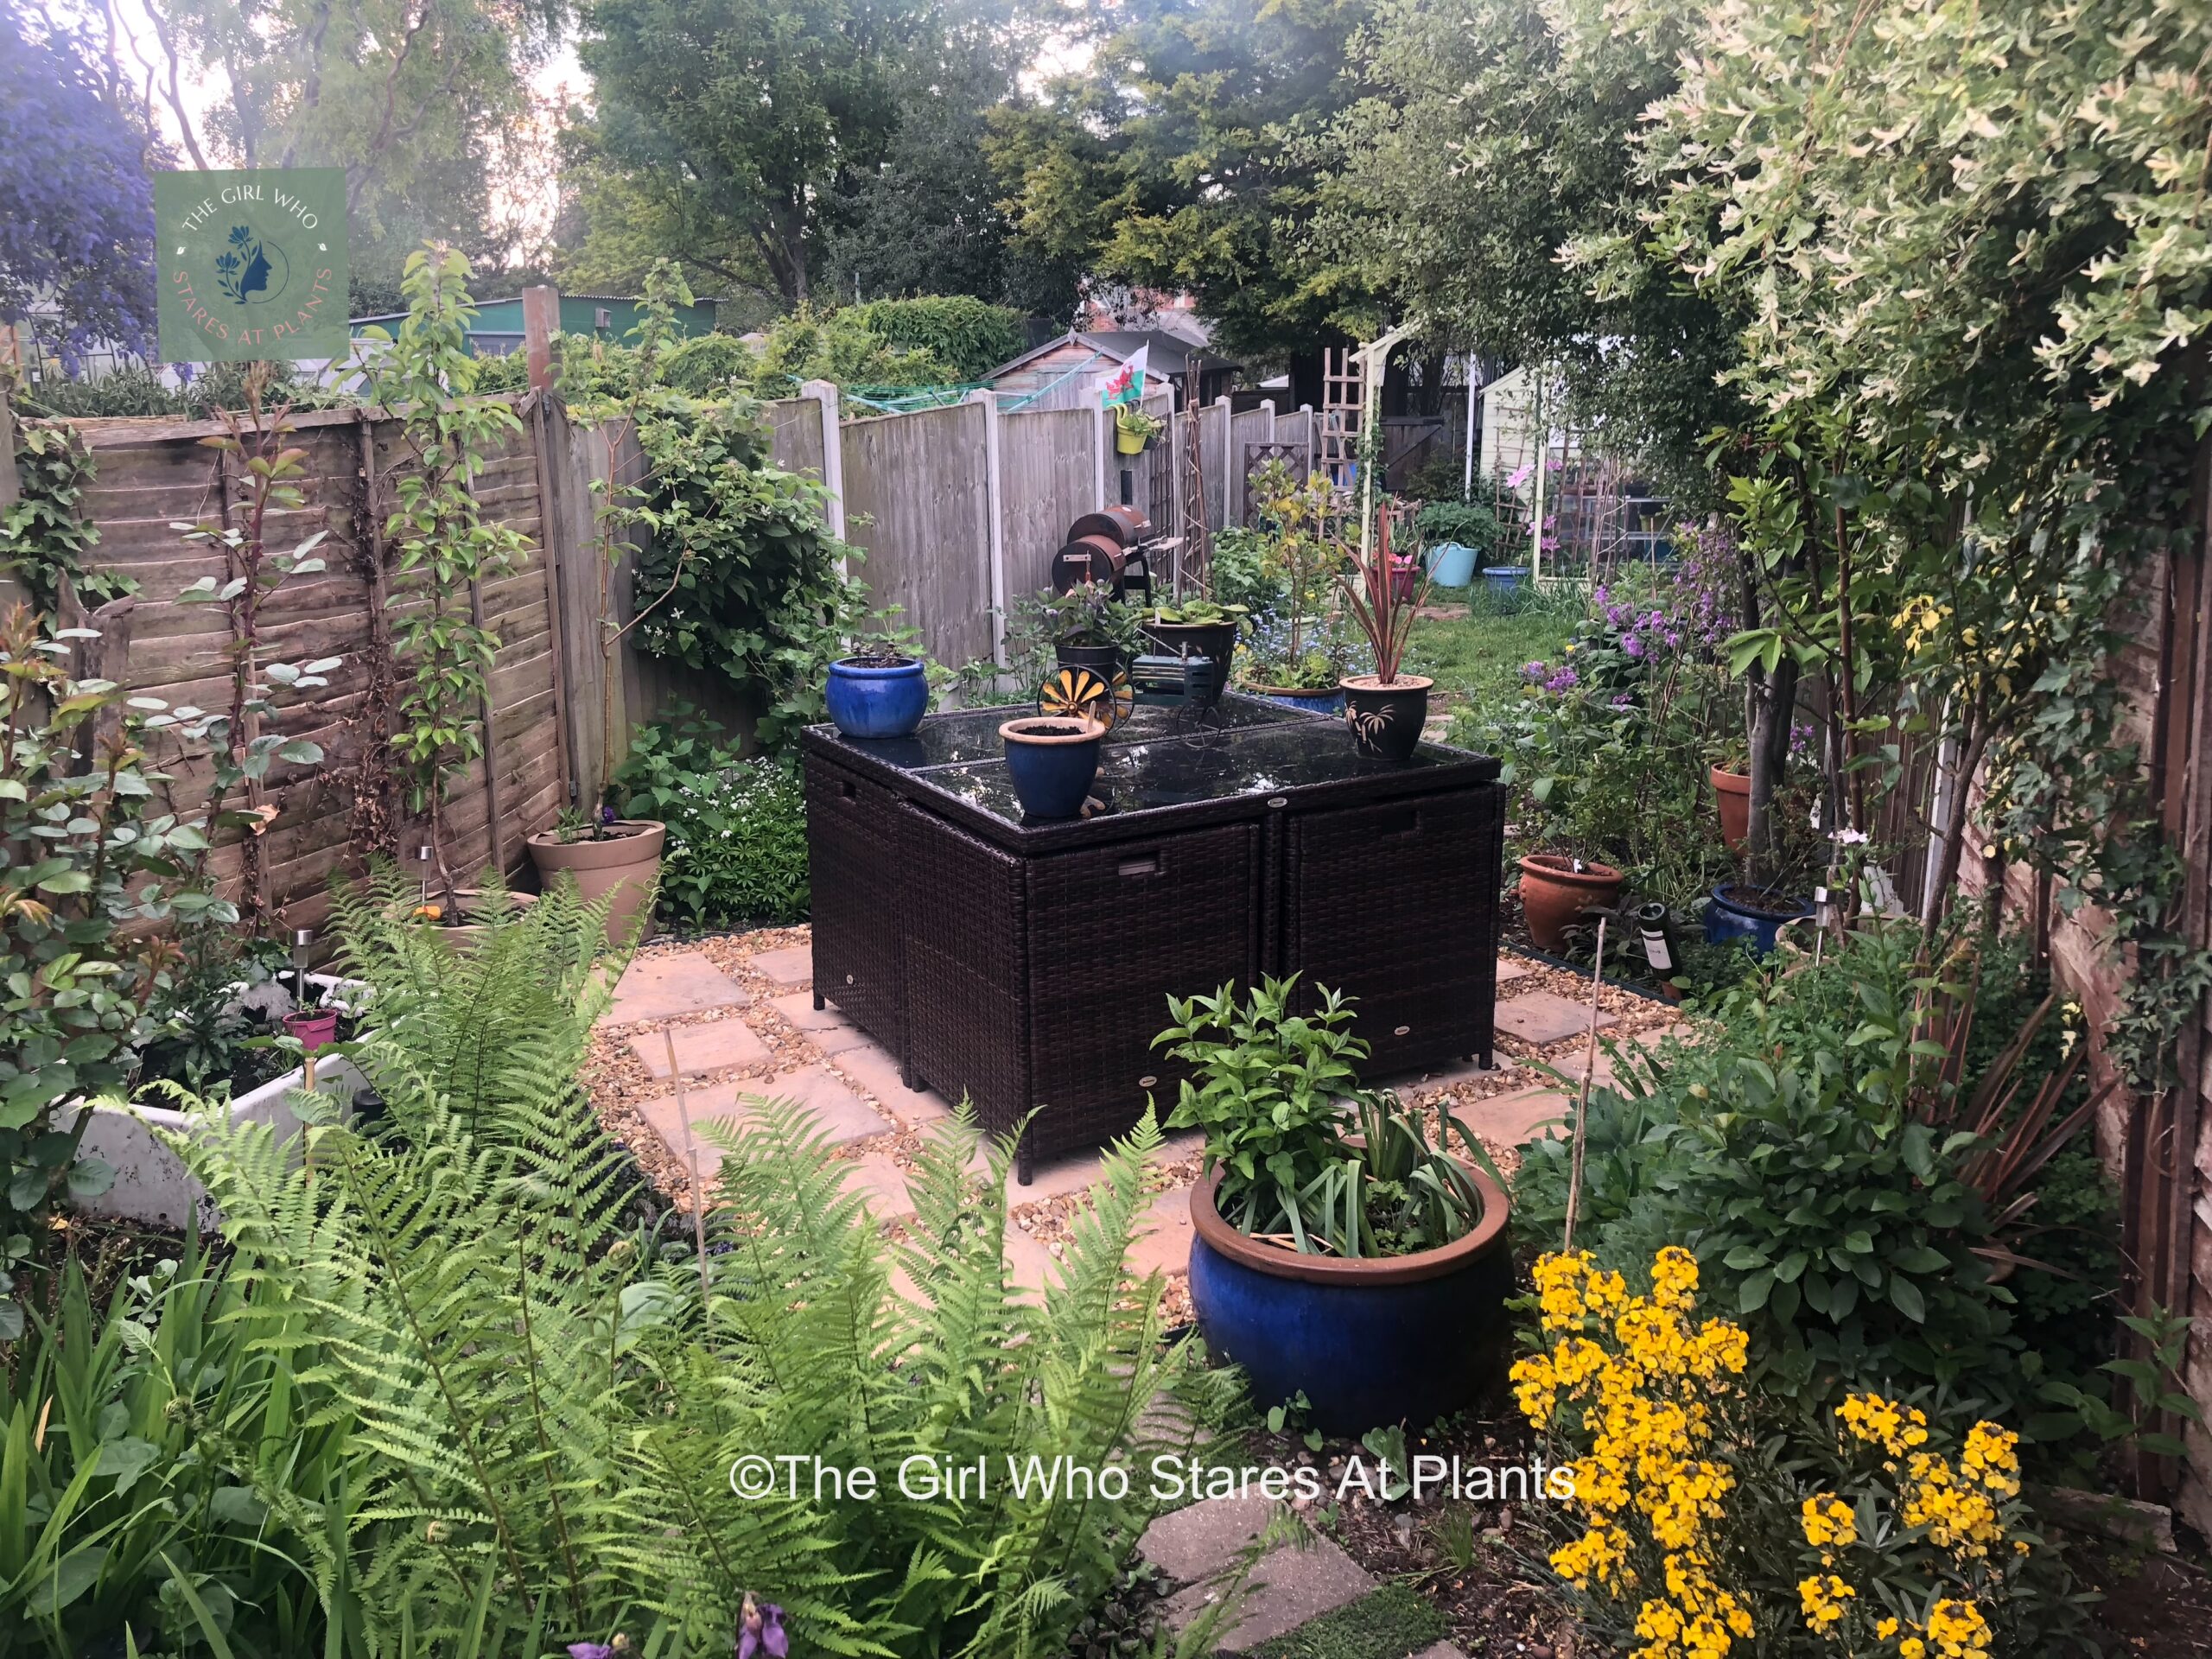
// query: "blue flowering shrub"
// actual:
[[736, 850]]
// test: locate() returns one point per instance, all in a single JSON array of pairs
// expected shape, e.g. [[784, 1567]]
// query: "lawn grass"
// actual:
[[1387, 1623], [1476, 658]]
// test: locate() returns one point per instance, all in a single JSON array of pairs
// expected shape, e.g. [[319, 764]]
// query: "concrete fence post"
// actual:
[[825, 393], [995, 519], [541, 320]]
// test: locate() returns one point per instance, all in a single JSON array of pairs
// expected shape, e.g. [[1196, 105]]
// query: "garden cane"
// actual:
[[1582, 1106], [691, 1157]]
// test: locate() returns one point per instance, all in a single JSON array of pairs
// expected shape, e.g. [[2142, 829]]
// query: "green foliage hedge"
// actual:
[[736, 849], [969, 336]]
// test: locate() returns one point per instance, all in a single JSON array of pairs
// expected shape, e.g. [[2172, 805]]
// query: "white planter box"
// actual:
[[152, 1186]]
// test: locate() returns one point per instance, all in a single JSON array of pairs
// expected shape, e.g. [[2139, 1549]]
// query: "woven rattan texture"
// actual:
[[859, 888], [1114, 931], [966, 965], [1397, 906]]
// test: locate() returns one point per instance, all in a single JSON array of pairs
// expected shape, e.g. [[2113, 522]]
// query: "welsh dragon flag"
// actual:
[[1125, 383]]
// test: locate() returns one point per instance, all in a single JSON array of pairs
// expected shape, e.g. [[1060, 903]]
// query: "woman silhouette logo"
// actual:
[[250, 271]]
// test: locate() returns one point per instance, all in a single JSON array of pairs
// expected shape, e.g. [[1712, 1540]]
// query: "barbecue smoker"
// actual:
[[1187, 668]]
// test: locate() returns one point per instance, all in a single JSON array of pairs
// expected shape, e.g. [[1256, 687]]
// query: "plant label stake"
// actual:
[[691, 1157], [1582, 1106]]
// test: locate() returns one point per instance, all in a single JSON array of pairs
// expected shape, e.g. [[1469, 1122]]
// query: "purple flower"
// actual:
[[760, 1631], [1565, 679], [591, 1651], [1534, 671], [1631, 645], [606, 814], [1622, 699]]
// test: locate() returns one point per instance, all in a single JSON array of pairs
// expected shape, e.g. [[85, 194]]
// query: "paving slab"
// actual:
[[1513, 1120], [876, 1073], [1572, 1064], [1163, 1240], [1447, 1076], [1289, 1587], [1200, 1539], [661, 987], [719, 1045], [1028, 1263], [1512, 968], [882, 1185], [791, 967], [839, 1113], [826, 1028], [1541, 1017]]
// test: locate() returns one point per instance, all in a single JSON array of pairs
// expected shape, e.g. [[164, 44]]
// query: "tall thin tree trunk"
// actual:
[[1774, 701], [1935, 896]]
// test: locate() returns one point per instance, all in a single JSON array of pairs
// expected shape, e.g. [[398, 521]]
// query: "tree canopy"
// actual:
[[76, 197]]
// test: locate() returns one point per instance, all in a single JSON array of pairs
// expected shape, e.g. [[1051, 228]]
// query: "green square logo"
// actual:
[[252, 264]]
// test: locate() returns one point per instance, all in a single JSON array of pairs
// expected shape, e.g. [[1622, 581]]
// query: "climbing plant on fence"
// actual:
[[440, 532]]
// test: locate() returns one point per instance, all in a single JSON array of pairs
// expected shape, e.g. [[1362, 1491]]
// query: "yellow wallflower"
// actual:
[[1829, 1524], [1958, 1629], [1822, 1597]]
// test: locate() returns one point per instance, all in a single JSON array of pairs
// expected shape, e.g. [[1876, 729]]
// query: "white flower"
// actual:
[[1849, 837]]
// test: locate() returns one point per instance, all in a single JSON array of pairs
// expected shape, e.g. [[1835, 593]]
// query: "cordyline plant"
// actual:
[[425, 374], [84, 865], [1385, 614], [270, 471]]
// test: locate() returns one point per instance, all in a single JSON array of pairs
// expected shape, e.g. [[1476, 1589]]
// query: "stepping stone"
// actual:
[[839, 1113], [1200, 1541], [1572, 1064], [877, 1074], [1541, 1017], [722, 1046], [661, 987], [1513, 1120], [1075, 1173], [1429, 1082], [826, 1028], [1028, 1263], [882, 1185], [1163, 1241], [1512, 968], [1289, 1587], [791, 967]]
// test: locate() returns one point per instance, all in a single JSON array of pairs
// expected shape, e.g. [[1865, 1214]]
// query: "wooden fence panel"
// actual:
[[797, 444], [917, 494], [1048, 477], [153, 472]]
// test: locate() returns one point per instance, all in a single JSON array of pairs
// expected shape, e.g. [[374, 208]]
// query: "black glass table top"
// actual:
[[972, 734], [1142, 774]]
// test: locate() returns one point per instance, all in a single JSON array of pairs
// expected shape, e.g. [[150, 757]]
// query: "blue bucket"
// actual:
[[1451, 565], [1504, 578]]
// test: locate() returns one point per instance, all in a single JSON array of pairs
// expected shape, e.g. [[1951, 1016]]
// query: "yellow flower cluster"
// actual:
[[1956, 1629], [1635, 1376], [1822, 1597], [1829, 1525], [1957, 1507]]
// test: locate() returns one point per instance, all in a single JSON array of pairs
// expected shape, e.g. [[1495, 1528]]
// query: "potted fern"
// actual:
[[1385, 709], [1339, 1251]]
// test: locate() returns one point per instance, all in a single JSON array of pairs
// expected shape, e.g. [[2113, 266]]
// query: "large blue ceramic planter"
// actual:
[[868, 701], [1330, 702], [1407, 1338], [1504, 578], [1727, 922], [1051, 760]]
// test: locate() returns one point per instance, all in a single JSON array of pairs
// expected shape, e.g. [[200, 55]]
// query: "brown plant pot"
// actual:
[[1554, 892], [1731, 790], [626, 865], [1386, 720]]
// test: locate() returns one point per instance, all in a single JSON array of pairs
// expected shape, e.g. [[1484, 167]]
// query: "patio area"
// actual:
[[739, 1008]]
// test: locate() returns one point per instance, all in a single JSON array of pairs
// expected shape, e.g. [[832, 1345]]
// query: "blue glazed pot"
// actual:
[[1330, 702], [1407, 1338], [1051, 760], [1452, 564], [868, 701], [1504, 578], [1726, 921]]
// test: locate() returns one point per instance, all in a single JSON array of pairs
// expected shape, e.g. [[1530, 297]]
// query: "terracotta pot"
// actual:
[[1732, 791], [625, 865], [1554, 892]]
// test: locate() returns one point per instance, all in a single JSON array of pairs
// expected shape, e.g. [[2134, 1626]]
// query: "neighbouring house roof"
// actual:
[[1170, 354]]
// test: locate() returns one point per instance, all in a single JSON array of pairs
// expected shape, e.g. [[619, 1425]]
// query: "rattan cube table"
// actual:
[[1027, 965]]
